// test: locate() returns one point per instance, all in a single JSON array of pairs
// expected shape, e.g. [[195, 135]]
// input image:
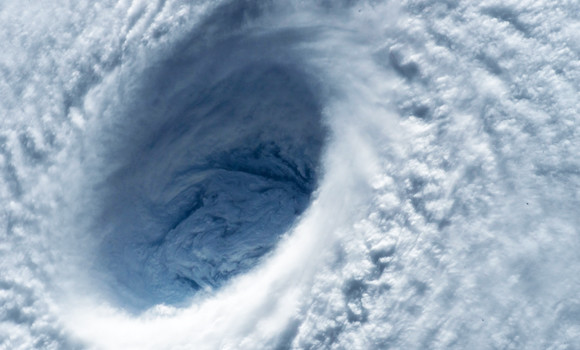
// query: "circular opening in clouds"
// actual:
[[209, 170]]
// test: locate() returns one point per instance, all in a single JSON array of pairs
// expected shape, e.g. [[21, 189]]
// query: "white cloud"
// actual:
[[445, 218]]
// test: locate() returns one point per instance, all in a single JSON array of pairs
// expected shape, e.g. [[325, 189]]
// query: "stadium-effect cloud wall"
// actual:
[[208, 170], [146, 146]]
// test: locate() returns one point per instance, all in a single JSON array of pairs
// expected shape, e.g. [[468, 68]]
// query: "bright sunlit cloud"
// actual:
[[262, 175]]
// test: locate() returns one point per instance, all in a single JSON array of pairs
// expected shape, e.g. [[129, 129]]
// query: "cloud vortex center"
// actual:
[[208, 182]]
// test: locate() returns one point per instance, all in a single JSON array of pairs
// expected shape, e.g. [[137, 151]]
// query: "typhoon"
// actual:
[[289, 174]]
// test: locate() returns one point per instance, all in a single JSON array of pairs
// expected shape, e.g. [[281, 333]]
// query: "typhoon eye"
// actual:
[[208, 179]]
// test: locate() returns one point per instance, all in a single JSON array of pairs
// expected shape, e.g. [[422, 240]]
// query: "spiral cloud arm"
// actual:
[[289, 175]]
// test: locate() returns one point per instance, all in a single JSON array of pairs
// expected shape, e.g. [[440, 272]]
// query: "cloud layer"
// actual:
[[443, 136]]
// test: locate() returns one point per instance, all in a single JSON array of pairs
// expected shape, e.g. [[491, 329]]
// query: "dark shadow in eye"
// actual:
[[208, 182]]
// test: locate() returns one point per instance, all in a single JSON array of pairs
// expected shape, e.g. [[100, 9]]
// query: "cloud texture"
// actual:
[[393, 174]]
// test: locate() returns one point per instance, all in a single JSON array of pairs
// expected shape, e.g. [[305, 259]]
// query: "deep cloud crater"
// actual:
[[205, 175]]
